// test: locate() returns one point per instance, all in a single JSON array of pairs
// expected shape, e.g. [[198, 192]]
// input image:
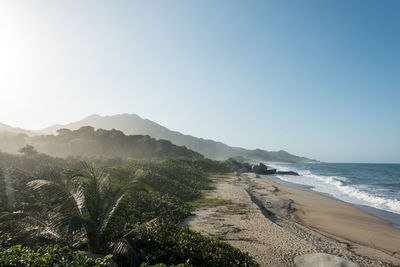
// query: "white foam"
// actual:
[[333, 185]]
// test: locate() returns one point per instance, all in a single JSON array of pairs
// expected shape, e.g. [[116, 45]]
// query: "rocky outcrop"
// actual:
[[262, 169], [241, 167], [287, 173], [259, 168], [271, 171]]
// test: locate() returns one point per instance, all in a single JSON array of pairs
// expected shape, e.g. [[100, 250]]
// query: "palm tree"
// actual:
[[87, 203]]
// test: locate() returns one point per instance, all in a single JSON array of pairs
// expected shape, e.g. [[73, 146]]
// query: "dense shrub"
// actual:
[[164, 265], [170, 244], [145, 206], [48, 256]]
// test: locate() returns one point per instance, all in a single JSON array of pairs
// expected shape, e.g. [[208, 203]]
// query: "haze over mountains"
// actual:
[[110, 143], [10, 129], [132, 124]]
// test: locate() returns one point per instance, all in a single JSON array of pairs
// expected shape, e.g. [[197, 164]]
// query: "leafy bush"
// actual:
[[164, 265], [181, 178], [170, 244], [48, 256], [145, 206]]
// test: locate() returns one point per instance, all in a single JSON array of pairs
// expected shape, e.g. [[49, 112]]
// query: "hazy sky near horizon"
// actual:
[[316, 78]]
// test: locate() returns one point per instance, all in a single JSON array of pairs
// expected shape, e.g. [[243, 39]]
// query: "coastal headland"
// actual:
[[276, 223]]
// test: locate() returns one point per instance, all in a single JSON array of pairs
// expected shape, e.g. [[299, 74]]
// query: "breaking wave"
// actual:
[[345, 189]]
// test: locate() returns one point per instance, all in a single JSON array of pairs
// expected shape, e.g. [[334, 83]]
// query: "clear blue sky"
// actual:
[[315, 78]]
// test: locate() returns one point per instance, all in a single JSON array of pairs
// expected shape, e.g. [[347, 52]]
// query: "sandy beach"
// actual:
[[275, 223]]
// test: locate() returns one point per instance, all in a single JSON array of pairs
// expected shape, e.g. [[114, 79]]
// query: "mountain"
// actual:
[[10, 129], [87, 141], [133, 124]]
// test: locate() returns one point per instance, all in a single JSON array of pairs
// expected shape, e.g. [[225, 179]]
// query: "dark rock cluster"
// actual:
[[260, 168]]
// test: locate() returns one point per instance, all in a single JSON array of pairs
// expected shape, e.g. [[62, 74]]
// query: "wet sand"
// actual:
[[275, 223]]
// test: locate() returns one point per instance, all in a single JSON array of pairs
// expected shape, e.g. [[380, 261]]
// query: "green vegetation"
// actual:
[[17, 255], [28, 150], [84, 204], [48, 256], [170, 244], [92, 143], [130, 209]]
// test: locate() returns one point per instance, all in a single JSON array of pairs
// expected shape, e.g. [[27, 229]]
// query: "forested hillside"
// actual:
[[89, 142], [133, 124]]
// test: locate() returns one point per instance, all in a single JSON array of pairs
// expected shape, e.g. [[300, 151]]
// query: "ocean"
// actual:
[[374, 188]]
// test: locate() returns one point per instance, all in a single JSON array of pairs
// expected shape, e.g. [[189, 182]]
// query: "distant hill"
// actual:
[[11, 142], [87, 141], [133, 124], [9, 129]]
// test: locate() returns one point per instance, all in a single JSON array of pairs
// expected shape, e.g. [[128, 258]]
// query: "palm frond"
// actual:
[[40, 183], [78, 197], [86, 206], [31, 224], [122, 247], [110, 214]]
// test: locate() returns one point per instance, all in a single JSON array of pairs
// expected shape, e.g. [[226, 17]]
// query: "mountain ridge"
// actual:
[[134, 124], [10, 129]]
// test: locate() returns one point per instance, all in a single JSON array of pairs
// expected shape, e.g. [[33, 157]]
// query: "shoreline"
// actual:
[[392, 218], [341, 187], [275, 223], [344, 220]]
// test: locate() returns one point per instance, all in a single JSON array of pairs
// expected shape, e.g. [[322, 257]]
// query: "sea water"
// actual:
[[374, 188]]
